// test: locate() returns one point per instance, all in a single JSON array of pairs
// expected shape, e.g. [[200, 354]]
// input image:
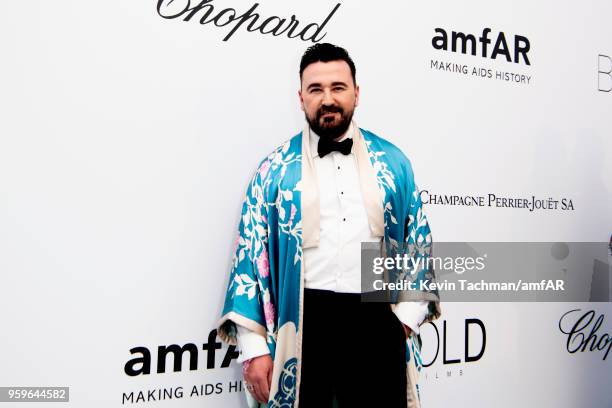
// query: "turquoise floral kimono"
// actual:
[[280, 217]]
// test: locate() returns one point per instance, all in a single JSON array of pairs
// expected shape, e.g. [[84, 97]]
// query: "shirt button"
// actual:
[[344, 219], [342, 192], [338, 167]]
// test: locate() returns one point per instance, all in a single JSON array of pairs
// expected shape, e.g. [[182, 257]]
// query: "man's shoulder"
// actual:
[[377, 143], [285, 153], [392, 157], [291, 146]]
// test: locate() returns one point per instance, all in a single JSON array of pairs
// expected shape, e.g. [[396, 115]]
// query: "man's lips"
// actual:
[[329, 114]]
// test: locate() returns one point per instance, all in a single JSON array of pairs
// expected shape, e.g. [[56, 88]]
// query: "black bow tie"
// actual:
[[326, 146]]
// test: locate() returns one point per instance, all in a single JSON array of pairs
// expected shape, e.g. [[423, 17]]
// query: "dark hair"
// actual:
[[326, 52]]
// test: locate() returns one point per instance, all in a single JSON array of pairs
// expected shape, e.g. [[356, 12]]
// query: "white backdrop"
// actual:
[[126, 142]]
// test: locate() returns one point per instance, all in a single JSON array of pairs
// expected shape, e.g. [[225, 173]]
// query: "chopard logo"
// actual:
[[205, 11], [582, 332]]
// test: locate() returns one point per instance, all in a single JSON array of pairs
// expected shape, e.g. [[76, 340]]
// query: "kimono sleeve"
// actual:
[[419, 244], [249, 276]]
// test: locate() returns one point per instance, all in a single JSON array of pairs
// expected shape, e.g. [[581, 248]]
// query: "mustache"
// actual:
[[329, 109]]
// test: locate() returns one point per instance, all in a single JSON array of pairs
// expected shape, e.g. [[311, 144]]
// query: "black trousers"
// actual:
[[352, 351]]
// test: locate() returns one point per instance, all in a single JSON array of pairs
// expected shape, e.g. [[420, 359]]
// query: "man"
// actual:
[[293, 302]]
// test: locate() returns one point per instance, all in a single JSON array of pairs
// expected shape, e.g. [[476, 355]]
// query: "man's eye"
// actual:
[[339, 88], [315, 90]]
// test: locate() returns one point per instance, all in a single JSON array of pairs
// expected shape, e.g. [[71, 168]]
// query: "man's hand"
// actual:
[[258, 374]]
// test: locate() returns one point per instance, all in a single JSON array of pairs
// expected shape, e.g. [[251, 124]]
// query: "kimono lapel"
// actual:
[[311, 212], [373, 196]]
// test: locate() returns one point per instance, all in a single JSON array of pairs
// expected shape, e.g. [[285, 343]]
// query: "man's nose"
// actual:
[[327, 98]]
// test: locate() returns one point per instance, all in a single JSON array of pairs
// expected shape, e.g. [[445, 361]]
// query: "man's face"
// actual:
[[328, 97]]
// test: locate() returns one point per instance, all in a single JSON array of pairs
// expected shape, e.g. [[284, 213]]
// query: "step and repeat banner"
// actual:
[[129, 130]]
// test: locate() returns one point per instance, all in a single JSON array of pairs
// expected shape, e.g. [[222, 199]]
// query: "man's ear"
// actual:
[[356, 95], [301, 100]]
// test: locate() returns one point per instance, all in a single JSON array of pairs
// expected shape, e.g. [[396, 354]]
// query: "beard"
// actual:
[[329, 127]]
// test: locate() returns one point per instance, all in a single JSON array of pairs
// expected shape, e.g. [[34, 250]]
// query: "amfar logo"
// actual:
[[604, 73], [141, 363], [457, 41], [442, 341], [582, 332]]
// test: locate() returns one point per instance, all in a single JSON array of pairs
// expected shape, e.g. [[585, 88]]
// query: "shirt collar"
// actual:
[[314, 139]]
